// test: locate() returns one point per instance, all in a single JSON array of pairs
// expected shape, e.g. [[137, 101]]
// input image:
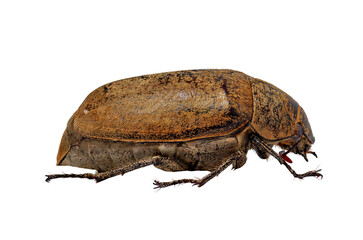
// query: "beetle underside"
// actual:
[[213, 155]]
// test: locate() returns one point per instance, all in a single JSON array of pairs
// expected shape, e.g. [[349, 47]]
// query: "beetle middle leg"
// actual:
[[98, 177], [200, 182], [262, 146]]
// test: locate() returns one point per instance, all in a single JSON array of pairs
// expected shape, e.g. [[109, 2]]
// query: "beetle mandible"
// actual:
[[183, 121]]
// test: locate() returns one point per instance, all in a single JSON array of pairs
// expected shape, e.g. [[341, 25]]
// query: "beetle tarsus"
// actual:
[[159, 185], [71, 175], [314, 173], [194, 182]]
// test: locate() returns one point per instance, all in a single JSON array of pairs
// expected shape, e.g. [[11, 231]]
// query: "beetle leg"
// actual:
[[294, 146], [262, 146], [98, 177], [205, 179], [258, 143]]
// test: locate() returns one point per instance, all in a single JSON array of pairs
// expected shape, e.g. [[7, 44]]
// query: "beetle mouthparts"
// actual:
[[313, 153], [285, 157], [306, 157]]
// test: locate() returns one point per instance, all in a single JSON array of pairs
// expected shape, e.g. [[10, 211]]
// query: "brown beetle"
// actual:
[[184, 120]]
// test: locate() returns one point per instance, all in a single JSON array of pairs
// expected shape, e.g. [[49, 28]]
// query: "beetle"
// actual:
[[183, 121]]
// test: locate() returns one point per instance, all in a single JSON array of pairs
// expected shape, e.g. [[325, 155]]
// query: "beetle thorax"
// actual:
[[275, 113]]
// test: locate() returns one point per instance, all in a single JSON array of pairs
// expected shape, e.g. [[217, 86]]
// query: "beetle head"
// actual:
[[302, 140]]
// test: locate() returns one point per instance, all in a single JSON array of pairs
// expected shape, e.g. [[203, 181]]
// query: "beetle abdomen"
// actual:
[[204, 154], [174, 106]]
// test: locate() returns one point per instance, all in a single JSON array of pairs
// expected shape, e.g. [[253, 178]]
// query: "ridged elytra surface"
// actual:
[[172, 106]]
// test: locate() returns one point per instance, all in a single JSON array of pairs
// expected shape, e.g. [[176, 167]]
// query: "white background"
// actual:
[[54, 53]]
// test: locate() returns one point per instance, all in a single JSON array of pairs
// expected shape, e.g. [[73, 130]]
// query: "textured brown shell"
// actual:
[[172, 106], [275, 114]]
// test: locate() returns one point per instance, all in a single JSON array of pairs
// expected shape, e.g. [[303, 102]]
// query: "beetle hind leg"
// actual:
[[100, 176], [200, 182]]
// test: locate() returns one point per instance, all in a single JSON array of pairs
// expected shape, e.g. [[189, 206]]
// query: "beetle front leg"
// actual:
[[261, 145]]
